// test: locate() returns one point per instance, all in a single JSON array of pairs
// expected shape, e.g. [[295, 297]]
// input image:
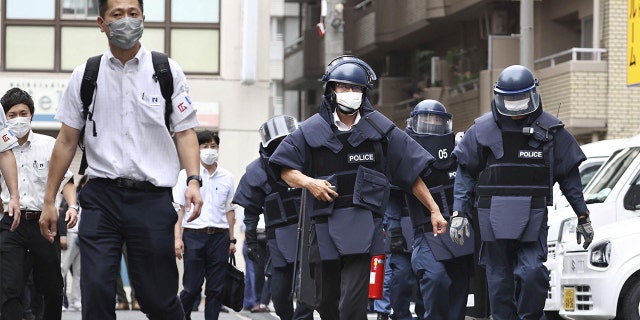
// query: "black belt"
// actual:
[[207, 230], [124, 183], [30, 214]]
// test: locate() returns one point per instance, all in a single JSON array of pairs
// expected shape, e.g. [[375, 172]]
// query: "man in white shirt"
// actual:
[[133, 162], [32, 154], [206, 242]]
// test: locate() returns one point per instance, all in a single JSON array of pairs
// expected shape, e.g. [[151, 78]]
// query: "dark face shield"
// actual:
[[429, 123]]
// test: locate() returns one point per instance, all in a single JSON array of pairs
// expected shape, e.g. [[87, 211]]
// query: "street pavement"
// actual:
[[199, 315]]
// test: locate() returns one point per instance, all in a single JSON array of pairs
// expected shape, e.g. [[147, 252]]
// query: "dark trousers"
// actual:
[[205, 256], [261, 280], [342, 287], [47, 275], [112, 216], [280, 283]]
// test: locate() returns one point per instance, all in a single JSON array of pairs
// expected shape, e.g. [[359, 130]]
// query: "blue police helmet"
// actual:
[[515, 91], [350, 69], [430, 117]]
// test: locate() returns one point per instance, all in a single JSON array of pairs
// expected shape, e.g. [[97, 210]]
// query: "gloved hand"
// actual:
[[254, 252], [397, 241], [459, 227], [584, 230]]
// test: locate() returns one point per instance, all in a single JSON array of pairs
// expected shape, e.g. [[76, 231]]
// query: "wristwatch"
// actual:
[[75, 206], [195, 177], [234, 241]]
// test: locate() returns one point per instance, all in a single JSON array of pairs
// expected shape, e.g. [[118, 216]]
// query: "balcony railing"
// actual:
[[573, 54]]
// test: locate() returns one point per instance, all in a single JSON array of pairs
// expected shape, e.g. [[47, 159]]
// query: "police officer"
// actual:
[[259, 192], [442, 267], [512, 156], [399, 240], [351, 147]]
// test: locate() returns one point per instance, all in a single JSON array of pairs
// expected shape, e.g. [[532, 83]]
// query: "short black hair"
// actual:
[[207, 136], [16, 96], [102, 6]]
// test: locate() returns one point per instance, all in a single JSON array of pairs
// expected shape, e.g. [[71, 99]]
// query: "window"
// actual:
[[31, 9], [196, 50], [607, 178], [60, 40], [79, 9], [208, 11], [34, 55]]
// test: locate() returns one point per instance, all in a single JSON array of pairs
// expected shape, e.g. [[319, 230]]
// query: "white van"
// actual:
[[603, 281], [597, 153]]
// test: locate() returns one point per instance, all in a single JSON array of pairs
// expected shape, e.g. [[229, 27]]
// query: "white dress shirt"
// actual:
[[217, 192], [341, 126], [132, 139], [32, 160]]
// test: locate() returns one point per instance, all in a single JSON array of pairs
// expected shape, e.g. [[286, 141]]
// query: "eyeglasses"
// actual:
[[343, 87]]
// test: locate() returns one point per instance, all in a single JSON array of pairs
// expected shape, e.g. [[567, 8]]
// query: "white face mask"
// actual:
[[349, 102], [517, 105], [209, 156], [20, 126]]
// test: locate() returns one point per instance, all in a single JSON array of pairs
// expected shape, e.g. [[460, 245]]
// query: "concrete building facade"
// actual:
[[231, 52], [453, 51]]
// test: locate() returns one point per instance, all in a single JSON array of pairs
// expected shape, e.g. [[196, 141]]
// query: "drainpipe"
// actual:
[[596, 24], [526, 33], [249, 42]]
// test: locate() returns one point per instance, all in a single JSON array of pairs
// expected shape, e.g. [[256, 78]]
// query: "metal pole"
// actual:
[[526, 33]]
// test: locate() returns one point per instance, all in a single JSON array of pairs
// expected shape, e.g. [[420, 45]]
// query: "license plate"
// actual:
[[569, 299]]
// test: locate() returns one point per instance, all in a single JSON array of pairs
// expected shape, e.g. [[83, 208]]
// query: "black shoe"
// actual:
[[383, 316]]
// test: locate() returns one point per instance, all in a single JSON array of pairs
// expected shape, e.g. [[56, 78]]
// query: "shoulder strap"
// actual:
[[88, 85], [87, 88], [163, 75]]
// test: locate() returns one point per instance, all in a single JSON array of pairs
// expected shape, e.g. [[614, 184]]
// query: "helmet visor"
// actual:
[[517, 104], [276, 127], [429, 123]]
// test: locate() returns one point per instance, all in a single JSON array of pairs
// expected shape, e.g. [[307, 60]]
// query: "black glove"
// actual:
[[459, 227], [254, 252], [584, 230], [397, 241]]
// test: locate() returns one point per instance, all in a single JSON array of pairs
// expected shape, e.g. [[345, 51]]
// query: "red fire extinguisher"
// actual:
[[376, 277]]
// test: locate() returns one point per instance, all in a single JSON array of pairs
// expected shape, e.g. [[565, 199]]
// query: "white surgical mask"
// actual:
[[20, 126], [209, 156], [517, 105], [349, 102], [125, 32]]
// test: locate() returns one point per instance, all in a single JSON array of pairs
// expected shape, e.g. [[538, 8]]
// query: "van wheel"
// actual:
[[552, 315], [631, 305]]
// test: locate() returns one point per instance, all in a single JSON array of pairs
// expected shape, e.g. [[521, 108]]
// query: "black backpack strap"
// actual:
[[163, 75], [87, 88]]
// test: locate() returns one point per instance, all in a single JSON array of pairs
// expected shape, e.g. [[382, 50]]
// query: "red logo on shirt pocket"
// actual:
[[182, 107]]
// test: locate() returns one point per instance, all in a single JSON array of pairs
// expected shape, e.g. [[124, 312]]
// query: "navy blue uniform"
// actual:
[[259, 192], [402, 278], [443, 268], [361, 163], [506, 171]]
